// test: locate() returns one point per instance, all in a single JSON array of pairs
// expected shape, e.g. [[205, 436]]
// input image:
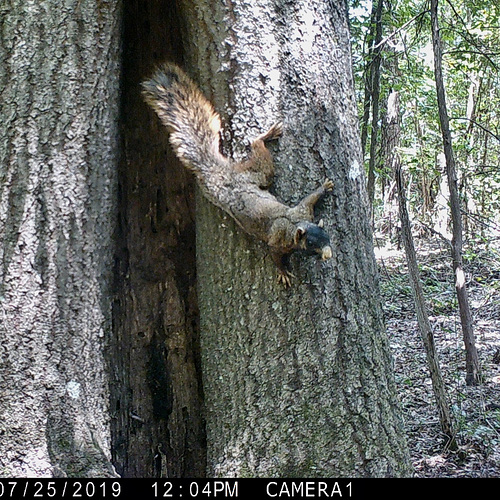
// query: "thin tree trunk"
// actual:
[[297, 382], [422, 317], [59, 87], [472, 362], [375, 98], [366, 109], [368, 77], [393, 131]]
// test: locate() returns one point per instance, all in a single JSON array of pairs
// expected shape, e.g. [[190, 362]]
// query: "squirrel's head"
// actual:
[[313, 240]]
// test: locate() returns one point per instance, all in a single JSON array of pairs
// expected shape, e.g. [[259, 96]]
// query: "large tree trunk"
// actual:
[[297, 382], [472, 367], [59, 85]]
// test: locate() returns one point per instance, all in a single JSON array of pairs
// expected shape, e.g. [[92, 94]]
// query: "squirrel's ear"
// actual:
[[321, 223], [299, 234]]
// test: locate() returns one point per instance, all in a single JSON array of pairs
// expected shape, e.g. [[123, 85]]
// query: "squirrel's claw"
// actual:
[[276, 130], [328, 185], [285, 278]]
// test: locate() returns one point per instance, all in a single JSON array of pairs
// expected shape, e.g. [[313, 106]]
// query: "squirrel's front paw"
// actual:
[[328, 185], [285, 278]]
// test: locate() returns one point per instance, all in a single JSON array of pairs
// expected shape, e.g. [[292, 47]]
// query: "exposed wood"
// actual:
[[158, 426]]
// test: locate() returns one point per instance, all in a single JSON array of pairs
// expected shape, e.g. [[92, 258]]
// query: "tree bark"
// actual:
[[375, 98], [297, 382], [59, 88], [368, 75], [472, 367]]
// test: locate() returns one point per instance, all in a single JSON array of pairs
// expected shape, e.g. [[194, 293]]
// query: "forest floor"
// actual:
[[475, 410]]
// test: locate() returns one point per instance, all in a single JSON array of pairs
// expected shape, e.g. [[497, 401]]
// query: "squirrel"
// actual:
[[238, 188]]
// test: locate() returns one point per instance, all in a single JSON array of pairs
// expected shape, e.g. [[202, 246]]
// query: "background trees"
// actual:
[[467, 72], [469, 34]]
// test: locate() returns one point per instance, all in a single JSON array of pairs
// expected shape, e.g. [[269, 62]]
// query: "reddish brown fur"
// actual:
[[237, 188]]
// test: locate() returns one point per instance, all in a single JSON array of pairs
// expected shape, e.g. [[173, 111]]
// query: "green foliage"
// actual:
[[470, 31]]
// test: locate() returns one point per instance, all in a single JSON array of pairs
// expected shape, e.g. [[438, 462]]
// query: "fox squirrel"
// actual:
[[240, 189]]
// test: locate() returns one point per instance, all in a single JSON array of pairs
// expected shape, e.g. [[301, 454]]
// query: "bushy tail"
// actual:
[[192, 121]]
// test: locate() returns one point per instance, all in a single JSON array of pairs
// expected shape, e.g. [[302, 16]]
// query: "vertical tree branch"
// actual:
[[415, 281], [472, 361], [375, 98]]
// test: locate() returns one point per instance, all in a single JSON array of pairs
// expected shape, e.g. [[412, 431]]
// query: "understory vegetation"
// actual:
[[428, 89], [475, 410]]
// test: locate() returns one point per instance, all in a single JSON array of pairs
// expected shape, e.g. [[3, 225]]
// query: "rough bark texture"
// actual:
[[297, 382], [158, 429], [59, 84], [473, 371]]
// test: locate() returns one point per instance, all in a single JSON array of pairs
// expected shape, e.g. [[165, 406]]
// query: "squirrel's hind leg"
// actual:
[[273, 133]]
